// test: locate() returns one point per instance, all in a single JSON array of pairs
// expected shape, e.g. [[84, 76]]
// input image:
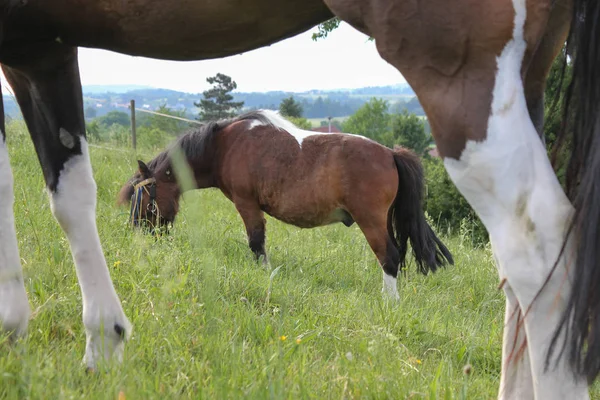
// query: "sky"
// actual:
[[345, 59]]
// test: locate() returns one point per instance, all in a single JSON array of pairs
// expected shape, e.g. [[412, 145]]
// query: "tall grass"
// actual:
[[209, 322]]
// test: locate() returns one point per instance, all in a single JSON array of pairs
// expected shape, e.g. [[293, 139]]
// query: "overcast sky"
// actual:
[[345, 59]]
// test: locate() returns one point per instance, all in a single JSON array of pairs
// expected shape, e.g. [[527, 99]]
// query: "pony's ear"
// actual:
[[144, 171]]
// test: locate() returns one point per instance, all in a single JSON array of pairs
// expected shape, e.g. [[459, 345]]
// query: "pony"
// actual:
[[265, 164], [479, 70]]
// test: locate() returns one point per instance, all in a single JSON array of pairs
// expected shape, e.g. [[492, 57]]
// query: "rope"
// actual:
[[109, 148], [169, 116], [130, 151]]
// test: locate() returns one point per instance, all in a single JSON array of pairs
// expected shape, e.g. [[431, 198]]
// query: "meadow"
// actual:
[[209, 322]]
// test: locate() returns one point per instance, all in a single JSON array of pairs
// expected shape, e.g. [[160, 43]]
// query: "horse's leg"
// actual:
[[541, 62], [14, 306], [48, 90], [376, 233], [469, 81], [515, 381], [254, 221], [508, 180]]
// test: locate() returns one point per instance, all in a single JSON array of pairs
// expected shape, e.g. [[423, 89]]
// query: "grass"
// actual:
[[211, 323]]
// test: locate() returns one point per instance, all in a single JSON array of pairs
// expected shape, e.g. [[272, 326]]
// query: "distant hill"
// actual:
[[101, 99], [112, 88]]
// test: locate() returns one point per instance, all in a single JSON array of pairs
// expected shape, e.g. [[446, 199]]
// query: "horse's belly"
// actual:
[[307, 217]]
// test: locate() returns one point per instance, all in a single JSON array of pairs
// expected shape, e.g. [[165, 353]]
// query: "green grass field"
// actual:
[[211, 323]]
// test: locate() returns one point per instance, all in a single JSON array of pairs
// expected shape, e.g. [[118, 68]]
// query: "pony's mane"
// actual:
[[196, 142]]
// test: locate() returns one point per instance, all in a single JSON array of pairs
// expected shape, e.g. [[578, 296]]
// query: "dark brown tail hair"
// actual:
[[581, 124], [406, 219]]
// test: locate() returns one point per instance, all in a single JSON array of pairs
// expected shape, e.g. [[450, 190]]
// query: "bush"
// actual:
[[448, 208], [153, 137], [300, 122]]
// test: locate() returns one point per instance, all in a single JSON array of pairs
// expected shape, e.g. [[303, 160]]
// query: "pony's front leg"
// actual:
[[14, 306], [48, 90]]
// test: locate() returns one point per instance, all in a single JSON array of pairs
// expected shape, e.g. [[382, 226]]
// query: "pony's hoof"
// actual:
[[264, 261]]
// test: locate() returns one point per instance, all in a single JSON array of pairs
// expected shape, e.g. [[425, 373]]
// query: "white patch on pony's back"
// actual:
[[14, 306], [299, 134], [74, 206], [283, 124], [254, 123], [508, 180]]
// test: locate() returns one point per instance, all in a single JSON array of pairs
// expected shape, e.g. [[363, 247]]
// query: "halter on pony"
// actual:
[[149, 186]]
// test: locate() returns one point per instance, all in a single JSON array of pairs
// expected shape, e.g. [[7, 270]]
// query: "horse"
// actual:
[[479, 70], [265, 164]]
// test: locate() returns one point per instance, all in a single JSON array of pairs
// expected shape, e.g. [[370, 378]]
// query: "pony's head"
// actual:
[[153, 194]]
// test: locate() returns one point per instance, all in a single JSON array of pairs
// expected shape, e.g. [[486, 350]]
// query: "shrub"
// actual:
[[448, 208]]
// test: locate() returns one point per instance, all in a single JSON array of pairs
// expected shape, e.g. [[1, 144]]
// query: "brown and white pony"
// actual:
[[265, 164], [479, 69]]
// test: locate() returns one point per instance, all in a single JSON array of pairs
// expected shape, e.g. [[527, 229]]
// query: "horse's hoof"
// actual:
[[14, 308], [106, 336]]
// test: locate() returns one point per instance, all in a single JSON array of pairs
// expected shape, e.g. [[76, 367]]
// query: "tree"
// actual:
[[90, 112], [290, 108], [408, 130], [300, 122], [325, 28], [371, 120], [115, 117], [217, 103]]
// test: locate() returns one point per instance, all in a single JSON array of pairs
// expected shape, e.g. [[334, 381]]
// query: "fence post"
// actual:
[[132, 107]]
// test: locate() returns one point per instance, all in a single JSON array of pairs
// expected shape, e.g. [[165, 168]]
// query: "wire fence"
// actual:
[[133, 110]]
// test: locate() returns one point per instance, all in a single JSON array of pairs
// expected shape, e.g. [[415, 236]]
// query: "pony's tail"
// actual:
[[580, 322], [406, 219]]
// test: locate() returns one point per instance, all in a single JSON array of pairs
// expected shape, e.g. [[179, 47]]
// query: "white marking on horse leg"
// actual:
[[508, 180], [516, 381], [14, 306], [74, 206], [390, 288]]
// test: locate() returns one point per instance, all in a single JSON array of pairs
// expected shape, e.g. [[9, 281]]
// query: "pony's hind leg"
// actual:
[[48, 90], [254, 221], [14, 306], [376, 233]]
